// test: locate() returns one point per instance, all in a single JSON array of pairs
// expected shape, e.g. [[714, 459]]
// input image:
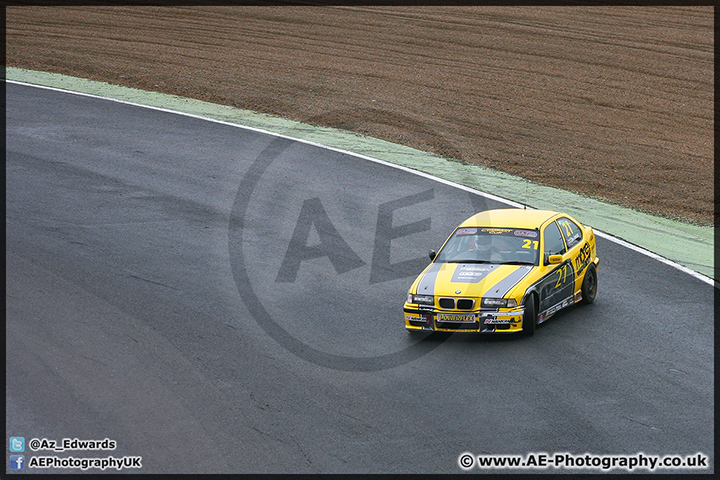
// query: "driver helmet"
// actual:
[[481, 243]]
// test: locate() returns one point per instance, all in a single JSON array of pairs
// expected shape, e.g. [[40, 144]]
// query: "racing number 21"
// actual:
[[530, 244], [562, 275], [568, 231]]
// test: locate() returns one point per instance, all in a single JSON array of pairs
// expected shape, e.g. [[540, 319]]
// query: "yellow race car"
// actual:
[[504, 271]]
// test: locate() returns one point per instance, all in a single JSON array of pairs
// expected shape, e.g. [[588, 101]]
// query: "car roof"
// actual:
[[510, 218]]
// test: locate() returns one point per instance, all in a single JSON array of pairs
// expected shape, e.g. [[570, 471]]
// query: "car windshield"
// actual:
[[491, 245]]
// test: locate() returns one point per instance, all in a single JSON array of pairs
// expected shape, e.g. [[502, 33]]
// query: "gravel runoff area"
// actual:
[[612, 102]]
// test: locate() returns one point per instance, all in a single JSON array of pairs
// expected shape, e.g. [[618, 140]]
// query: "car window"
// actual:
[[570, 231], [553, 244], [491, 245]]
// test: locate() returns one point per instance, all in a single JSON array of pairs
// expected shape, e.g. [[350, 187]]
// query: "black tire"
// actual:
[[589, 285], [530, 316]]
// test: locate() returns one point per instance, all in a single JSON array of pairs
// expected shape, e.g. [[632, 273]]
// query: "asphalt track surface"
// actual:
[[219, 300]]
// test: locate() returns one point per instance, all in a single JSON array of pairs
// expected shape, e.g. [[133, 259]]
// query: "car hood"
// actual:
[[471, 279]]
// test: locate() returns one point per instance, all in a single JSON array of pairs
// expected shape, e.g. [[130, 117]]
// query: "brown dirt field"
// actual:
[[612, 102]]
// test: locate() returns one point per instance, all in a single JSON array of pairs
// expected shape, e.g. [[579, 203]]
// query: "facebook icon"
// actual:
[[17, 462]]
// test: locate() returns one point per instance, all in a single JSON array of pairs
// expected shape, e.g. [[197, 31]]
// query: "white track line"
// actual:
[[599, 233]]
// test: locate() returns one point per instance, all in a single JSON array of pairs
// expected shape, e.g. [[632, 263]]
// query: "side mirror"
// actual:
[[432, 254], [554, 259]]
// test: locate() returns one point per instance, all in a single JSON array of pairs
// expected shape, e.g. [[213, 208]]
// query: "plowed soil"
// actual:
[[612, 102]]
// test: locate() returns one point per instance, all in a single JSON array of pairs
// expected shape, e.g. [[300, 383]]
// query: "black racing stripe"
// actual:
[[426, 285], [544, 277], [507, 283]]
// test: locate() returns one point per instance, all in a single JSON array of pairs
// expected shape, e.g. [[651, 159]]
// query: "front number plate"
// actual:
[[457, 318]]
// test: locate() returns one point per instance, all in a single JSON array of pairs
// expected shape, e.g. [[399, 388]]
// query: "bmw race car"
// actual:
[[504, 271]]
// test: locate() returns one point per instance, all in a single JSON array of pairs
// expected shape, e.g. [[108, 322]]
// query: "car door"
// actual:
[[557, 285], [578, 249]]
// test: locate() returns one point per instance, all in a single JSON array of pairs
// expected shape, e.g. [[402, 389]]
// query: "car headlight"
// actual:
[[421, 299], [498, 302]]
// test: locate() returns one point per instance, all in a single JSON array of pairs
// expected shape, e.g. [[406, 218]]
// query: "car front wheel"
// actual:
[[530, 316], [589, 285]]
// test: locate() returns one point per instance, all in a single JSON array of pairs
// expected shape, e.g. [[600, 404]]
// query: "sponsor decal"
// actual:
[[414, 318], [456, 318], [555, 308], [493, 320], [475, 268], [426, 299], [583, 258], [470, 274], [496, 231], [465, 273], [526, 233], [466, 231]]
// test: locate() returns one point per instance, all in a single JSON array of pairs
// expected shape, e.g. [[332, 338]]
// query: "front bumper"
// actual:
[[504, 320]]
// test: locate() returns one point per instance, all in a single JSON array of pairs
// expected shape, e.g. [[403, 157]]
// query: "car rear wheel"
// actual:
[[530, 315], [589, 285]]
